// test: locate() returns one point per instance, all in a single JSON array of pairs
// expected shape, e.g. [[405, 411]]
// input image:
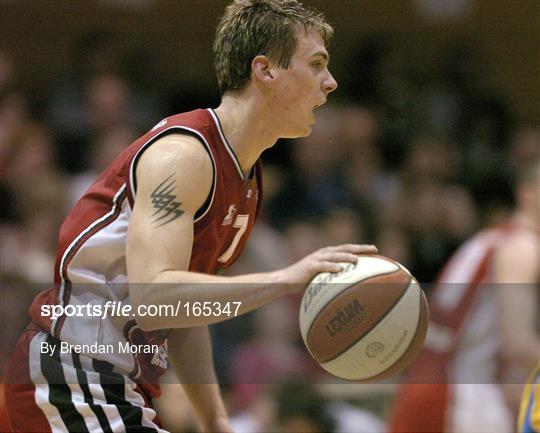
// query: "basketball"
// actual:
[[367, 322]]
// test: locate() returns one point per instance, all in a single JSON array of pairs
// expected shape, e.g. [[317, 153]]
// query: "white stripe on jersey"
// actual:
[[461, 270], [478, 408], [73, 244]]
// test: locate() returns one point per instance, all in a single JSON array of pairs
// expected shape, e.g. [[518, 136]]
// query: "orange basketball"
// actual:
[[367, 322]]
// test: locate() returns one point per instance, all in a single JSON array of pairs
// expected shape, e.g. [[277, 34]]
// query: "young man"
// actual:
[[483, 334], [172, 209]]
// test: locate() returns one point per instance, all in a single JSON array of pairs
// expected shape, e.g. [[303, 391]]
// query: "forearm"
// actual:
[[251, 291], [516, 272], [190, 353], [169, 287]]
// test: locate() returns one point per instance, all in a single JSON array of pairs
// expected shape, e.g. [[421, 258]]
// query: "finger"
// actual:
[[329, 267], [336, 256], [357, 248]]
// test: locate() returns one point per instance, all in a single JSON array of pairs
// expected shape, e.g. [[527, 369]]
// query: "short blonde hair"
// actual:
[[250, 28]]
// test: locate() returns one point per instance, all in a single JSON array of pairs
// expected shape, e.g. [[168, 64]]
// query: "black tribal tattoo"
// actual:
[[167, 209]]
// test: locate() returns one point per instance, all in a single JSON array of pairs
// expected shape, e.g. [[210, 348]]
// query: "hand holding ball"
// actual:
[[366, 322]]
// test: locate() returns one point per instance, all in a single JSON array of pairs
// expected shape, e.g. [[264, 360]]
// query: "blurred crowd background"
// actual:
[[436, 112]]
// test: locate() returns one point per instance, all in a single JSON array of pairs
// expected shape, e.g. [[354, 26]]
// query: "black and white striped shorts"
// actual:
[[71, 392]]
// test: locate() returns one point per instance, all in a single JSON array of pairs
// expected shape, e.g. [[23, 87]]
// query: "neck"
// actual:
[[247, 129]]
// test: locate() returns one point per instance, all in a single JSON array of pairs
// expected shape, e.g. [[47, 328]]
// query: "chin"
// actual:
[[307, 131], [299, 133]]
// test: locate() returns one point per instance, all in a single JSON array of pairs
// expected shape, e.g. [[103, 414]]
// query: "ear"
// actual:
[[263, 69]]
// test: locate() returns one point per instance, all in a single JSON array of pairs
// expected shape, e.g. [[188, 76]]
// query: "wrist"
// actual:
[[282, 282]]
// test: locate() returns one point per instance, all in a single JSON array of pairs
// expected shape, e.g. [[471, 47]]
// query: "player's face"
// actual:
[[304, 86]]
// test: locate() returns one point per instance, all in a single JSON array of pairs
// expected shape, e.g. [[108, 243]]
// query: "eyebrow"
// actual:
[[323, 54]]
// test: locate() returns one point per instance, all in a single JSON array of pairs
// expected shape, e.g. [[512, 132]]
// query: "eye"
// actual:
[[317, 65]]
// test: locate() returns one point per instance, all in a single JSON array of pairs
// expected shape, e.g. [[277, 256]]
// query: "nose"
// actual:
[[330, 84]]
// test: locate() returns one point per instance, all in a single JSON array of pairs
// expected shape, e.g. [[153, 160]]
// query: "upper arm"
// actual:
[[174, 178], [516, 277]]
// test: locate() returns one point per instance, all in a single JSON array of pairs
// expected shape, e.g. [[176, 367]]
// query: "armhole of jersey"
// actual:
[[201, 212]]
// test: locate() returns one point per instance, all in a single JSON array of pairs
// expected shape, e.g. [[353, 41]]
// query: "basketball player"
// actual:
[[482, 328], [175, 207]]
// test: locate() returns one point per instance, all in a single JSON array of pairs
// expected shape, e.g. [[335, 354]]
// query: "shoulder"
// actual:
[[522, 242], [181, 158], [174, 150], [518, 257]]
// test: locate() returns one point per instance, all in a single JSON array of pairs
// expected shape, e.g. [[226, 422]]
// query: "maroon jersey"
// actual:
[[90, 265]]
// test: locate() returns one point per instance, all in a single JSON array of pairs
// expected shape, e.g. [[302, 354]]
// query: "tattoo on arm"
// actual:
[[165, 204]]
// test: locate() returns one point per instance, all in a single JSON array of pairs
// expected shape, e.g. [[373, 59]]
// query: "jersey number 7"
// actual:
[[240, 223]]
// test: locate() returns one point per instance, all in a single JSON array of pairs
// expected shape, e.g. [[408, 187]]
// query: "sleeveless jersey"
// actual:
[[460, 360], [90, 266]]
